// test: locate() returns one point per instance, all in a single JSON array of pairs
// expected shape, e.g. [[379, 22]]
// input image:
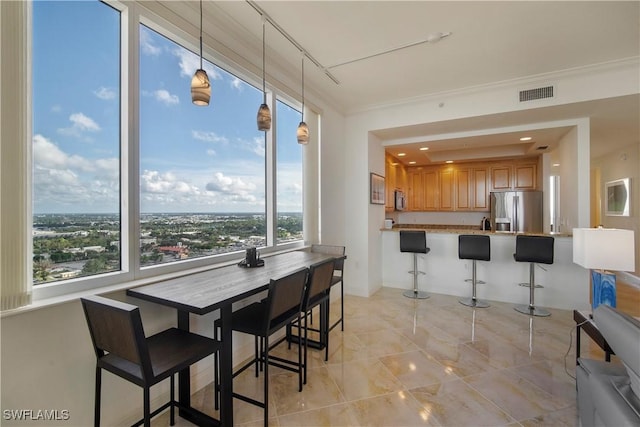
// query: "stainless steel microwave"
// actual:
[[400, 200]]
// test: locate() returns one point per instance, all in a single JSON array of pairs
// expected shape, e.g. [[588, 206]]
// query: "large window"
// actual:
[[202, 172], [289, 174], [76, 140], [202, 169]]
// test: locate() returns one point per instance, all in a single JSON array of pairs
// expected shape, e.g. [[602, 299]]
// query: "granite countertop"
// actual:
[[462, 229]]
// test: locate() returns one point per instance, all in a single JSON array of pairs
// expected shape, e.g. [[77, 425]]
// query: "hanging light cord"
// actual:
[[303, 87], [201, 34], [264, 90]]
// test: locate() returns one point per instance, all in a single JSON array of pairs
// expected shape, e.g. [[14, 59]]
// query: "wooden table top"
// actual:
[[206, 291]]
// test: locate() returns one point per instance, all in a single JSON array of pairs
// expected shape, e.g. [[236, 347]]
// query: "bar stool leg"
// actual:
[[415, 293], [531, 309], [473, 301]]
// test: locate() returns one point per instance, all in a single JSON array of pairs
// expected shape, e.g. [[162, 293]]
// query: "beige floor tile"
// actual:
[[320, 391], [386, 341], [363, 378], [455, 403], [334, 415], [417, 369], [518, 397], [393, 409], [563, 418]]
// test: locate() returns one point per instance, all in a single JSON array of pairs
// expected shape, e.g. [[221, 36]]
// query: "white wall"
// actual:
[[623, 163]]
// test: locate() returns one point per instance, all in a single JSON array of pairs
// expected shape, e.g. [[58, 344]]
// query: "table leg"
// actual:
[[184, 380], [578, 328], [226, 368]]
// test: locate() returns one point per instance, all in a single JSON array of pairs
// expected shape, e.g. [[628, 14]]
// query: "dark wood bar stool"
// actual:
[[414, 242], [534, 250], [475, 247]]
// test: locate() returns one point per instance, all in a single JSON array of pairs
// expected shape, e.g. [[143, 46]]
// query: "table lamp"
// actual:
[[604, 250]]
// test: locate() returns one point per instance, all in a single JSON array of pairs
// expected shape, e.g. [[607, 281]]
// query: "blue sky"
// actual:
[[192, 159]]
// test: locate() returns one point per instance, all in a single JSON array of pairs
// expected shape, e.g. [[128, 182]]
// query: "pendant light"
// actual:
[[303, 129], [200, 86], [264, 114]]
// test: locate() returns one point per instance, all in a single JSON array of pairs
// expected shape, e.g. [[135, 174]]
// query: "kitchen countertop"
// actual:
[[462, 229]]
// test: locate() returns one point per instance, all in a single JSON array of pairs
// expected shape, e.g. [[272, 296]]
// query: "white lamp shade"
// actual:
[[200, 88], [604, 248], [303, 133]]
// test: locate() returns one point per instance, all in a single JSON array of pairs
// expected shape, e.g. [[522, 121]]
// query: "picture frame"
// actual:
[[617, 195], [377, 190]]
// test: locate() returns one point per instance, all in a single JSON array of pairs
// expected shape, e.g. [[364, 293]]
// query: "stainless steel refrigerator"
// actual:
[[516, 211]]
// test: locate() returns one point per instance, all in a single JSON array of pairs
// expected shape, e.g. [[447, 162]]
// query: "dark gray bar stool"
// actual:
[[534, 250], [414, 242], [475, 247]]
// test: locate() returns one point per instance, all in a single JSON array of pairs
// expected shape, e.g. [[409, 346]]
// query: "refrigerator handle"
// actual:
[[515, 214]]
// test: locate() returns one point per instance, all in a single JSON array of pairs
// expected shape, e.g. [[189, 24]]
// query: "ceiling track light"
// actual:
[[431, 38], [200, 85], [303, 129], [264, 114]]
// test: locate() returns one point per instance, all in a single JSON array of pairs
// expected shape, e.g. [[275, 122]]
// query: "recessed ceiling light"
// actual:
[[402, 154], [412, 162], [525, 138], [424, 148], [394, 164], [555, 165], [449, 161]]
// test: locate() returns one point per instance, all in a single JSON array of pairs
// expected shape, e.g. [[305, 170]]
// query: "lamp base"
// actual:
[[604, 288]]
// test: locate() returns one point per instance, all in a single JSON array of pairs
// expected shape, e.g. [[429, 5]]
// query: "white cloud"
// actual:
[[166, 184], [190, 62], [146, 45], [165, 97], [211, 152], [67, 180], [105, 93], [236, 83], [209, 137], [235, 189], [79, 125]]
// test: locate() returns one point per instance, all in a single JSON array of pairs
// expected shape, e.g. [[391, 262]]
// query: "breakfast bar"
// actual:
[[566, 285]]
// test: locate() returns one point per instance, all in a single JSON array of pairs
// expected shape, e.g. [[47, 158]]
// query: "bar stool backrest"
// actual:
[[474, 246], [537, 249], [413, 241]]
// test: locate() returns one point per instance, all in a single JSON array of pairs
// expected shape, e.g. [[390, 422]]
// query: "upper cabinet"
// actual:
[[466, 186], [395, 179]]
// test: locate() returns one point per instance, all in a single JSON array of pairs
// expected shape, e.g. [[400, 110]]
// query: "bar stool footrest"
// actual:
[[416, 294], [470, 302], [419, 272], [532, 311]]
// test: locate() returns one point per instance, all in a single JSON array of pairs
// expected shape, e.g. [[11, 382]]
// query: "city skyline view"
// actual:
[[192, 159]]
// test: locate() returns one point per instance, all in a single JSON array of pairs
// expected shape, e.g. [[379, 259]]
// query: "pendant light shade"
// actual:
[[200, 85], [303, 129], [200, 88], [264, 114]]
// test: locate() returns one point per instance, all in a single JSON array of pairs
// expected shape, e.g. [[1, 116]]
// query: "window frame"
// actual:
[[132, 16]]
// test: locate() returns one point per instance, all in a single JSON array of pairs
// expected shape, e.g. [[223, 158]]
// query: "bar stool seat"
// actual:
[[534, 250], [476, 247], [414, 242]]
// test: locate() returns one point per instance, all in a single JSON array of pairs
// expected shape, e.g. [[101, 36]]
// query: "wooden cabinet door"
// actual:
[[390, 184], [430, 190], [446, 199], [480, 190], [501, 178], [525, 177], [416, 190], [463, 190]]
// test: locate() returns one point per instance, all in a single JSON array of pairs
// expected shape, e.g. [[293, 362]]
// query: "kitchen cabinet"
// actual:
[[395, 179], [501, 177], [463, 189], [445, 198], [525, 177], [416, 190], [479, 190]]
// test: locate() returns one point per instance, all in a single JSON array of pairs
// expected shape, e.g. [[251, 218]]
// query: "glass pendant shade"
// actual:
[[264, 117], [303, 133], [200, 88]]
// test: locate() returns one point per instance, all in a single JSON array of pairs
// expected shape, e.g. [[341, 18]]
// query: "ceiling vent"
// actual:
[[542, 147], [537, 93]]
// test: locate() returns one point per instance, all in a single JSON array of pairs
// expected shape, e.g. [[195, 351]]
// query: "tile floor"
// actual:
[[404, 362]]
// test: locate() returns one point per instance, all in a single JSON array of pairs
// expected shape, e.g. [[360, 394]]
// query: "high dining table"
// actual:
[[216, 289]]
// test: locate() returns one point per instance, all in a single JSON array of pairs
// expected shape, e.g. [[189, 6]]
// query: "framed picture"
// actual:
[[618, 195], [376, 187]]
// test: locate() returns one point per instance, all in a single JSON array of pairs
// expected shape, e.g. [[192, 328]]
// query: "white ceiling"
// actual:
[[490, 42]]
